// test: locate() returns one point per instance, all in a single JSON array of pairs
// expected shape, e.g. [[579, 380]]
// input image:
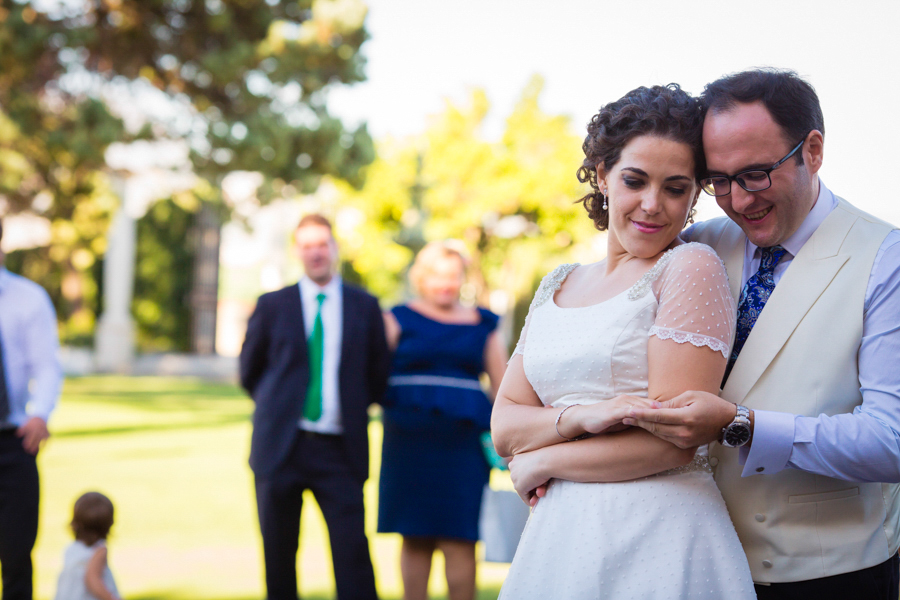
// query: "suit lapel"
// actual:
[[295, 308], [347, 315], [808, 275]]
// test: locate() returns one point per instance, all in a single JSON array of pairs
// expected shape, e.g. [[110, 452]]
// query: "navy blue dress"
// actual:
[[433, 469]]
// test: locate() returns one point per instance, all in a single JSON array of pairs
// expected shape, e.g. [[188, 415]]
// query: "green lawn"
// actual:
[[172, 455]]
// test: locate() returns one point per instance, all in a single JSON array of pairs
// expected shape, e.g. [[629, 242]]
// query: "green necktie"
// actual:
[[312, 408]]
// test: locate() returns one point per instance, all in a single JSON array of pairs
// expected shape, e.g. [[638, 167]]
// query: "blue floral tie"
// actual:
[[753, 298]]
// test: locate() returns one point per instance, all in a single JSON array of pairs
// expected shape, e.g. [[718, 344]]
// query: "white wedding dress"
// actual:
[[667, 536]]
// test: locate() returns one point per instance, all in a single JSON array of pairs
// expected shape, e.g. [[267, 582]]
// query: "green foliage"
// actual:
[[247, 83], [163, 273], [254, 72], [512, 202], [51, 160]]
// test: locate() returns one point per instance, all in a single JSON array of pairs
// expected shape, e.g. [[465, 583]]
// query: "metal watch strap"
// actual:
[[742, 417]]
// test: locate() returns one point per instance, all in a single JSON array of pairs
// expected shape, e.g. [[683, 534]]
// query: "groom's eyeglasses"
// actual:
[[753, 180]]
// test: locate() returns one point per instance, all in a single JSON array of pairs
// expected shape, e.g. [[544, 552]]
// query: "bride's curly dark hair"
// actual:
[[664, 111]]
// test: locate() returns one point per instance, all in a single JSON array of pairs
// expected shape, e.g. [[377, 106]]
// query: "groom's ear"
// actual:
[[814, 151]]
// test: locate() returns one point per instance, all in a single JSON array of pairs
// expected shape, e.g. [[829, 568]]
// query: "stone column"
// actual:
[[205, 289], [114, 337]]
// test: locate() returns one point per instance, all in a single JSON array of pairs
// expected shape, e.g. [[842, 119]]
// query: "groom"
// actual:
[[812, 489]]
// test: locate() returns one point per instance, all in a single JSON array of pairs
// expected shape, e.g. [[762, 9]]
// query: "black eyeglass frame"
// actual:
[[706, 183]]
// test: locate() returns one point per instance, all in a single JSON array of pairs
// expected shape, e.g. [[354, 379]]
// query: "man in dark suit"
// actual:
[[314, 359]]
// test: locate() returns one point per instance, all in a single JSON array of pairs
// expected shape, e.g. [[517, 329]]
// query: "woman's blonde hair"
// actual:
[[431, 253]]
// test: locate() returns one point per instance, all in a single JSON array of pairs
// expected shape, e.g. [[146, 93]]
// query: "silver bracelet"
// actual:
[[559, 416]]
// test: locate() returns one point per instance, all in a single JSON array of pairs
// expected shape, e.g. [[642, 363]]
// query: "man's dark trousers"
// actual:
[[881, 582], [19, 495], [339, 494]]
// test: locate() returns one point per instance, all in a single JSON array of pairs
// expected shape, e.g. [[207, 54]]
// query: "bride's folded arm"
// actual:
[[674, 368], [521, 423], [686, 350], [622, 456]]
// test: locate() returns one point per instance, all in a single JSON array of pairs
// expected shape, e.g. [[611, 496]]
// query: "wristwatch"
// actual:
[[738, 432]]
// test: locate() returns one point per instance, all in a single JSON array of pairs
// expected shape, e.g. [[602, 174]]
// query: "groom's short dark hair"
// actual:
[[792, 102]]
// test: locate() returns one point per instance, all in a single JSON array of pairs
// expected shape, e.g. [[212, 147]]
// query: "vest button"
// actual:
[[767, 564], [760, 469], [713, 461], [760, 518]]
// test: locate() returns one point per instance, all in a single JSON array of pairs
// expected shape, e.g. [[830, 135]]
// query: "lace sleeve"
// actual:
[[549, 284], [695, 302]]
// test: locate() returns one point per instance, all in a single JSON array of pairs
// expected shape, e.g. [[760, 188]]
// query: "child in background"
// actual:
[[85, 574]]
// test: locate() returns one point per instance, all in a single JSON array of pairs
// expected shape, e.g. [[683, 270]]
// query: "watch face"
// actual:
[[736, 435]]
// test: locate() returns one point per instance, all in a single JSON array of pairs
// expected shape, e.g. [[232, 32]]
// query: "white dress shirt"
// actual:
[[333, 327], [30, 348], [863, 445]]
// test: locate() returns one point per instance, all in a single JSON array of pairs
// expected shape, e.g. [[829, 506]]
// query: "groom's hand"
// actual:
[[688, 420]]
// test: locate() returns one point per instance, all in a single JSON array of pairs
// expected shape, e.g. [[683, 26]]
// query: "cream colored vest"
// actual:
[[800, 358]]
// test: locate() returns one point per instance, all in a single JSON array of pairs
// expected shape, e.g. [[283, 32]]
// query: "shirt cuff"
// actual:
[[773, 441], [43, 414]]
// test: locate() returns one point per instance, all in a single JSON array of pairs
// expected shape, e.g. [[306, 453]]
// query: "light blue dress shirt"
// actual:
[[863, 445], [30, 349]]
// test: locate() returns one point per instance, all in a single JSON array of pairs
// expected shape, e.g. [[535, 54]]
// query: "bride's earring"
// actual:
[[605, 203]]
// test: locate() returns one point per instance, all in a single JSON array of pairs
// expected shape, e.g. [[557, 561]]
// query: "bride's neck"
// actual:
[[618, 258]]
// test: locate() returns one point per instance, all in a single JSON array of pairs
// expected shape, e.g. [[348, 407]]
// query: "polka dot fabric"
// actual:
[[691, 286], [695, 302], [668, 536]]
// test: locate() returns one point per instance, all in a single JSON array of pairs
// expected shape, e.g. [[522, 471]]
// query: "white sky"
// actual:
[[591, 52]]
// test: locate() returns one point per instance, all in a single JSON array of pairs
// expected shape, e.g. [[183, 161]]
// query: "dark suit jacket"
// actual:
[[275, 372]]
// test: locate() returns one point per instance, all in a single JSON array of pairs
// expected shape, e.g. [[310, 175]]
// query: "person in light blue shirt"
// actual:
[[30, 382]]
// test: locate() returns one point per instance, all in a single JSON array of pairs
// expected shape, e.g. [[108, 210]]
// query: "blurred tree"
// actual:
[[511, 202], [245, 83], [163, 269], [252, 75], [51, 157]]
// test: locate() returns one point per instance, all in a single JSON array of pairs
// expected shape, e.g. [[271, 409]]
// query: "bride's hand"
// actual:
[[526, 471], [607, 416], [539, 492]]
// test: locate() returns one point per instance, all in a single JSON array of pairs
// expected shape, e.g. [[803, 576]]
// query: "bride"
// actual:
[[623, 514]]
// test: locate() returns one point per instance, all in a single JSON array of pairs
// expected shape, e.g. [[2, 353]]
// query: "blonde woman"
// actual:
[[433, 469]]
